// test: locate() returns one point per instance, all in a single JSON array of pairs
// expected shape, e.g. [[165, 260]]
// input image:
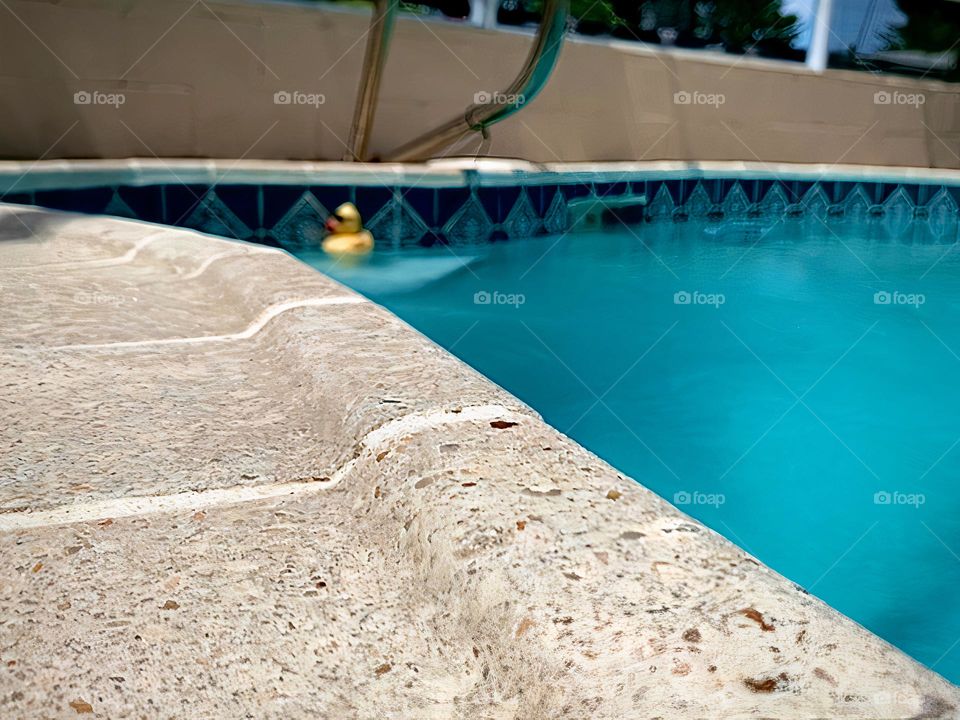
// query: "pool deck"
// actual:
[[231, 487]]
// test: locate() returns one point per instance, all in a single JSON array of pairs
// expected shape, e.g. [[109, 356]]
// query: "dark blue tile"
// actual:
[[423, 201], [243, 202], [277, 201], [611, 190], [575, 190], [675, 188], [85, 200], [180, 201], [145, 202], [449, 201], [431, 239], [369, 200], [332, 196], [498, 201], [18, 198], [541, 196]]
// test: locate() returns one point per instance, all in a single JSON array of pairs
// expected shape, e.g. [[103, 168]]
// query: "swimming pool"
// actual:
[[790, 383]]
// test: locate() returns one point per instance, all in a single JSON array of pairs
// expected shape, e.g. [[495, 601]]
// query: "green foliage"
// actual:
[[596, 12], [932, 26], [743, 24]]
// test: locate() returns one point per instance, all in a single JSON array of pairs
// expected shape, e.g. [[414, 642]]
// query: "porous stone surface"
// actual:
[[319, 513]]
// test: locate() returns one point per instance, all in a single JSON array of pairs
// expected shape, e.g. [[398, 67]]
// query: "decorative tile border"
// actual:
[[292, 216]]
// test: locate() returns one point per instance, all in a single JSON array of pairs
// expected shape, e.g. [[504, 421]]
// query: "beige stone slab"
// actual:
[[32, 237], [492, 569], [269, 610], [592, 597], [291, 402], [169, 284], [330, 516]]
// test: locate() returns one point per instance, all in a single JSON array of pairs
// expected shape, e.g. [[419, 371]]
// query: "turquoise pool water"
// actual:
[[794, 387]]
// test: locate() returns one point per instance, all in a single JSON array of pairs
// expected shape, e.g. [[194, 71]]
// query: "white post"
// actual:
[[820, 40], [483, 13], [490, 21], [477, 11]]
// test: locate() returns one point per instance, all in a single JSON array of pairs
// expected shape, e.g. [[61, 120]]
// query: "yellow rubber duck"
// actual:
[[346, 233]]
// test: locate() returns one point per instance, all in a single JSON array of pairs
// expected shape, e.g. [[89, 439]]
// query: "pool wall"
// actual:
[[198, 80], [285, 204]]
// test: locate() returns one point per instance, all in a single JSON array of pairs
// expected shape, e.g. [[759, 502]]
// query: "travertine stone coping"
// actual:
[[211, 509]]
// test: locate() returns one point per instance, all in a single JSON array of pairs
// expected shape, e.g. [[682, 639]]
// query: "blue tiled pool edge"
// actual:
[[471, 208]]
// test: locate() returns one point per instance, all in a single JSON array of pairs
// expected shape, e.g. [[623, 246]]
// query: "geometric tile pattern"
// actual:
[[399, 217], [397, 224], [212, 216], [303, 224]]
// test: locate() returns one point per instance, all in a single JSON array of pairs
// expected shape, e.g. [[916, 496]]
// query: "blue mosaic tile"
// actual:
[[942, 214], [294, 216], [857, 204], [118, 207], [898, 212], [662, 206], [469, 225], [211, 215], [698, 205], [774, 203], [523, 221], [816, 202], [736, 203], [303, 224], [397, 223], [555, 218]]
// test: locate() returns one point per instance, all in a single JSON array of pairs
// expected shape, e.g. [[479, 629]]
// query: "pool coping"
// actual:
[[28, 176], [833, 668]]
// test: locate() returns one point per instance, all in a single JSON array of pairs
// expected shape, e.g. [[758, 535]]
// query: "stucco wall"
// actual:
[[198, 79]]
